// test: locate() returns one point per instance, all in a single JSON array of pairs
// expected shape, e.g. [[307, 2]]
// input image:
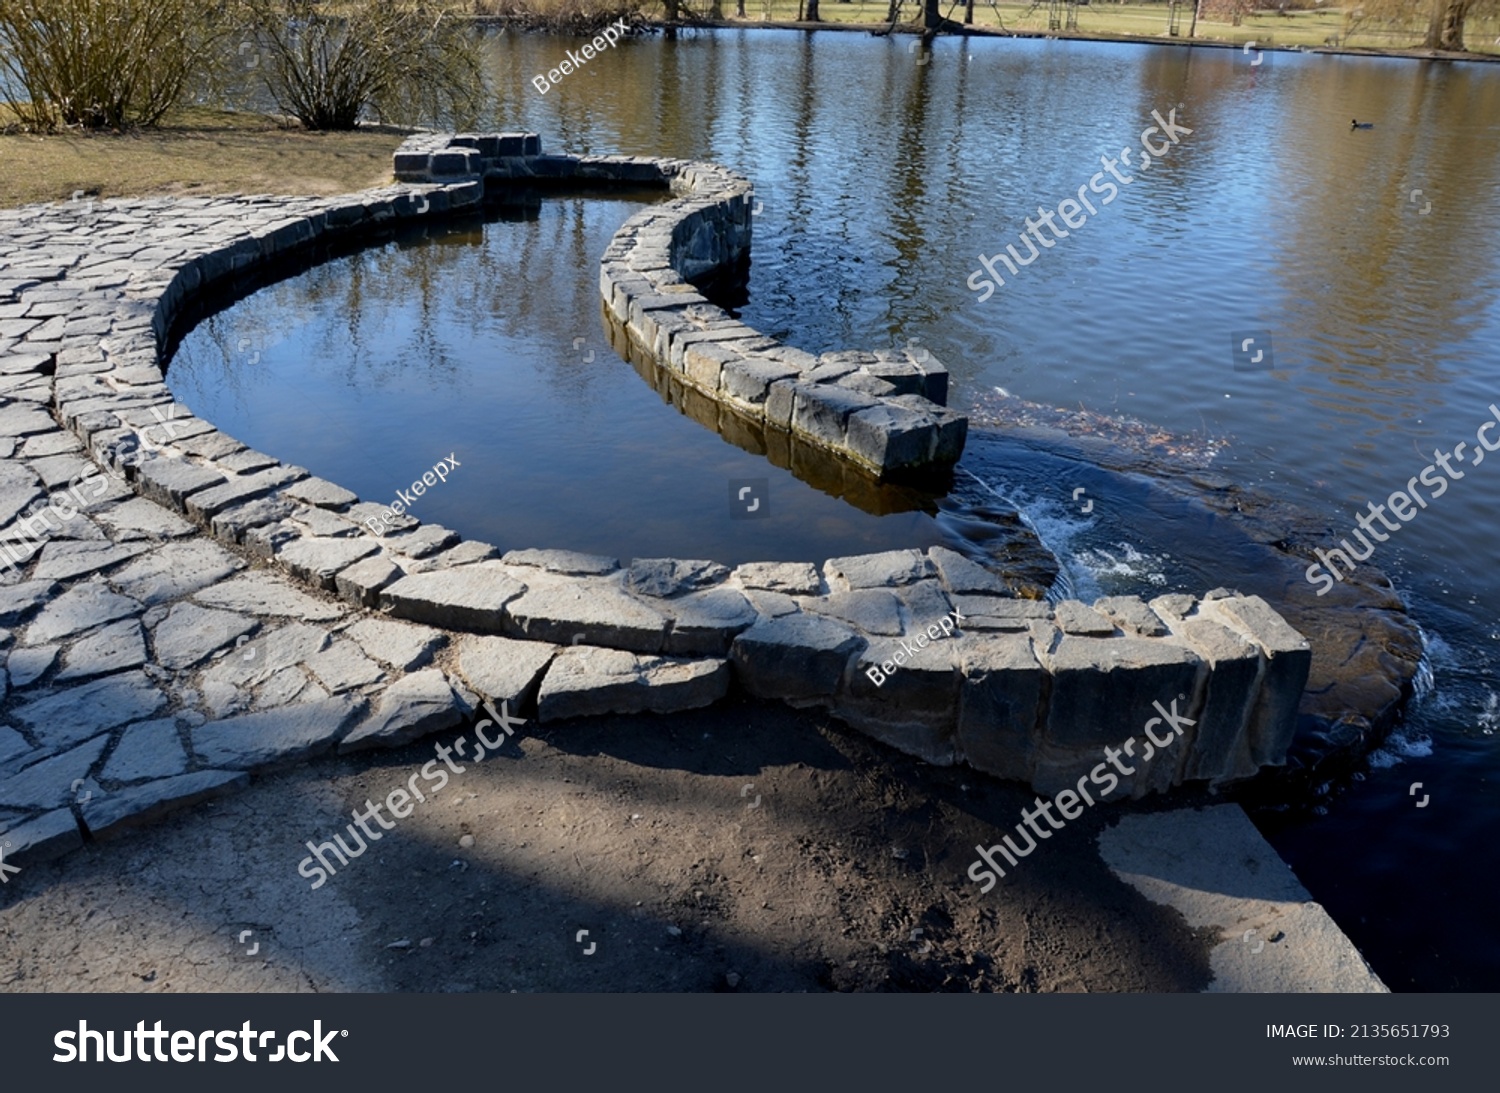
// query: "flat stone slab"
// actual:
[[118, 646], [190, 634], [412, 707], [663, 577], [961, 575], [18, 600], [138, 518], [79, 712], [403, 646], [48, 783], [586, 682], [1213, 867], [62, 560], [567, 562], [19, 488], [147, 749], [471, 597], [590, 610], [885, 570], [260, 593], [258, 660], [704, 623], [117, 812], [792, 578], [175, 570], [49, 836], [318, 561], [12, 745], [29, 664], [872, 610], [274, 737], [502, 669], [343, 666]]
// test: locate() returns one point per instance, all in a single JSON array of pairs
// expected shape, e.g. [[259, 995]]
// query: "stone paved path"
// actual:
[[179, 611]]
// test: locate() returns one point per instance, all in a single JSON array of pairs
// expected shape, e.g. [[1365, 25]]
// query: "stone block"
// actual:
[[399, 644], [504, 670], [890, 438], [469, 597], [567, 562], [999, 704], [1219, 746], [793, 578], [274, 738], [1103, 689], [961, 575], [585, 682], [884, 570], [1131, 615], [914, 708], [1073, 617], [319, 561], [662, 577], [869, 610], [415, 706], [800, 659], [822, 412], [1288, 662], [592, 610], [705, 623]]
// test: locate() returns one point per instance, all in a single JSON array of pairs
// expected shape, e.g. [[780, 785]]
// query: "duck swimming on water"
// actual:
[[1356, 124]]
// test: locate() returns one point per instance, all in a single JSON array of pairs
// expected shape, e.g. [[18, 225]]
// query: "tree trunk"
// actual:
[[812, 12], [969, 14], [894, 13], [739, 9], [932, 14], [1445, 30]]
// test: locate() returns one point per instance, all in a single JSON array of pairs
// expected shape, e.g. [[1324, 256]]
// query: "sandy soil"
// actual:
[[644, 831]]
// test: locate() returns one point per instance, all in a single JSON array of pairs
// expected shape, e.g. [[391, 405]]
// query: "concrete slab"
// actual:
[[1213, 867]]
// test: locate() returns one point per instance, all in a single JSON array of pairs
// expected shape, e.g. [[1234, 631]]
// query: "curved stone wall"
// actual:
[[883, 411], [925, 650]]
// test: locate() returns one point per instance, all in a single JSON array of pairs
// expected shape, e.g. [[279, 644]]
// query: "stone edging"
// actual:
[[883, 411], [1022, 689]]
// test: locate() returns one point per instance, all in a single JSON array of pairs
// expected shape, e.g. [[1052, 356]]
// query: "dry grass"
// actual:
[[193, 152]]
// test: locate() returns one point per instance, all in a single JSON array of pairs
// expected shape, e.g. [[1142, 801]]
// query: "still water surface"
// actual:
[[883, 181]]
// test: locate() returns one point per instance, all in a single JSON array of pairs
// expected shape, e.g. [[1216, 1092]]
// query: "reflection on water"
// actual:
[[883, 180], [886, 179], [485, 341]]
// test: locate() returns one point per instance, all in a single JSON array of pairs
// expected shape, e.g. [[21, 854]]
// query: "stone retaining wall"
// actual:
[[124, 625], [884, 411]]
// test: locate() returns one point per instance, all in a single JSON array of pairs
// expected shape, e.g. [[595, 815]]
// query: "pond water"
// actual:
[[1362, 261]]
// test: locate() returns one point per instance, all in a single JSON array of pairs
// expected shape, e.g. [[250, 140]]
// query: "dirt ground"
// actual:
[[746, 847]]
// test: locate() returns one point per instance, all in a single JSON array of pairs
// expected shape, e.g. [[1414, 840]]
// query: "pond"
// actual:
[[1359, 262]]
